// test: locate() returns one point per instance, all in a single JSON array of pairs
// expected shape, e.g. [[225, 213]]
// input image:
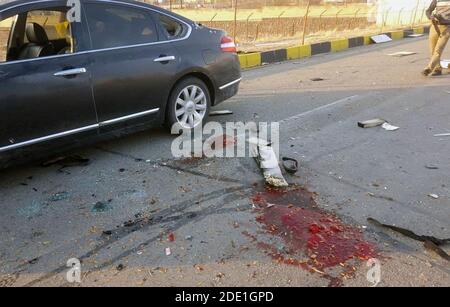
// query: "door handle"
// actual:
[[165, 58], [70, 72]]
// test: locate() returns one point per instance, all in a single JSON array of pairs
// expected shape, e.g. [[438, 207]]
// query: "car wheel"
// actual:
[[189, 104]]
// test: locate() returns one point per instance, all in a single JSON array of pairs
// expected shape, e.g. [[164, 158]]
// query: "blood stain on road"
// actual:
[[316, 240], [222, 142]]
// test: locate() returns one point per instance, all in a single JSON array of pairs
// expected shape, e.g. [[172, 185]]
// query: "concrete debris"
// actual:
[[59, 196], [269, 165], [416, 35], [379, 39], [100, 207], [371, 123], [402, 53]]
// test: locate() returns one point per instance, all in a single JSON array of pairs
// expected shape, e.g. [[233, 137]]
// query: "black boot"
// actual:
[[436, 72], [426, 72]]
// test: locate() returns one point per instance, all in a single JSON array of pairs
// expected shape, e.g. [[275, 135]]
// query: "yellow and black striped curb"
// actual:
[[249, 60]]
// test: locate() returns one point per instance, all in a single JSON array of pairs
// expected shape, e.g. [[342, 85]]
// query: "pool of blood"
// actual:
[[322, 238]]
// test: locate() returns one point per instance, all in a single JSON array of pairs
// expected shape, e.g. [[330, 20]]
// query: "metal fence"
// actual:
[[256, 25]]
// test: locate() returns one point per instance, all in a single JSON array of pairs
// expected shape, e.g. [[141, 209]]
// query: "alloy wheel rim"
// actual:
[[190, 106]]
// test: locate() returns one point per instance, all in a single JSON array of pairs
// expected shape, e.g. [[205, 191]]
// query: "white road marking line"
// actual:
[[347, 99]]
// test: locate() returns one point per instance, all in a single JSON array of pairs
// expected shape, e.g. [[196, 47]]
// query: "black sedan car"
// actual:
[[83, 68]]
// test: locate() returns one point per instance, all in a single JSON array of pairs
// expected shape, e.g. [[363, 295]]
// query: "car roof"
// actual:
[[5, 4]]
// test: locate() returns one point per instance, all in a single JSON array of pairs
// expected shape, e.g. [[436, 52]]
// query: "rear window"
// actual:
[[172, 28], [117, 26]]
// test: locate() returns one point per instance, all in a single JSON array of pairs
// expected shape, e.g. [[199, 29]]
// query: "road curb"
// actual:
[[249, 60]]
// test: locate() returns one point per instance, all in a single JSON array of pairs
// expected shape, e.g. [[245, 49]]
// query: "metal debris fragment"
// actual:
[[317, 79], [290, 165], [221, 112], [442, 134]]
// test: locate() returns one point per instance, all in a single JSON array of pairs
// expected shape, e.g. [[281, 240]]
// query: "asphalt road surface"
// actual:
[[120, 213]]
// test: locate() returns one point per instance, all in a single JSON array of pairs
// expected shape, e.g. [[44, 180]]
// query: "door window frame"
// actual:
[[152, 12], [76, 28], [149, 14], [86, 37]]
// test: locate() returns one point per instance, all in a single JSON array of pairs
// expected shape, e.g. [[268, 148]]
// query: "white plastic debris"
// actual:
[[389, 127], [168, 251], [416, 35], [434, 196], [442, 134], [445, 63]]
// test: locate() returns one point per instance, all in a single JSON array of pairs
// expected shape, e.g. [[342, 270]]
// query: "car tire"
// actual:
[[194, 94]]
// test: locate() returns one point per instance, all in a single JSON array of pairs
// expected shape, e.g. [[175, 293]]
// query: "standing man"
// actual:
[[439, 14]]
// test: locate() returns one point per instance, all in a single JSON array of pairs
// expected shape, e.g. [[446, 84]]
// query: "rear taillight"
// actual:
[[227, 44]]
